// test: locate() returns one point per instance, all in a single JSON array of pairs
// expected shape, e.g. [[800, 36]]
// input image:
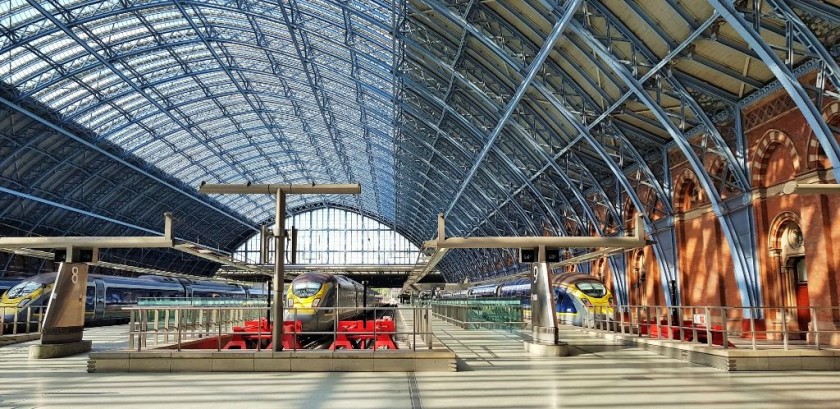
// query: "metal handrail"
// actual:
[[724, 327], [187, 324], [26, 320]]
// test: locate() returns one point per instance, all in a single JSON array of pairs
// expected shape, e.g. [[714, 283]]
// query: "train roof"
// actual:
[[572, 277], [314, 276]]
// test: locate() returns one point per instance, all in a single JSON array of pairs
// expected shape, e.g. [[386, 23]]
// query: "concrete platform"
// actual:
[[732, 359], [18, 338], [494, 372], [168, 359], [439, 360], [47, 351]]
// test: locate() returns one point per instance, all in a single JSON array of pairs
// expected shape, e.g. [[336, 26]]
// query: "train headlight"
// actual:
[[24, 303], [290, 303], [316, 302], [586, 302], [612, 301]]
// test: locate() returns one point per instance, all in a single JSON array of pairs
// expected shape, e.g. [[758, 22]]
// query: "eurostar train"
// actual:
[[309, 292], [107, 295], [7, 284], [580, 294], [576, 296]]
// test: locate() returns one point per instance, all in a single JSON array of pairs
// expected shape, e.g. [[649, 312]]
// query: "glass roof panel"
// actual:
[[141, 76]]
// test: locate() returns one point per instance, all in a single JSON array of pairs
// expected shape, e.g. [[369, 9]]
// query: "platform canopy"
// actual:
[[528, 117]]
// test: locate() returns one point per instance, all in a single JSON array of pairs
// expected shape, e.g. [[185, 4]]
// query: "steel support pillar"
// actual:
[[65, 316], [618, 264], [666, 254], [279, 273], [543, 304], [279, 191]]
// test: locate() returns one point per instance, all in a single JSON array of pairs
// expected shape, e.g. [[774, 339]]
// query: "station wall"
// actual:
[[781, 147]]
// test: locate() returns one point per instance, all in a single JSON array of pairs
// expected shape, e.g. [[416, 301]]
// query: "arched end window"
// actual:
[[336, 236]]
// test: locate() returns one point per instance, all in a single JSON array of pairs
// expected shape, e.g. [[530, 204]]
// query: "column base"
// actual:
[[46, 351], [538, 349], [545, 335]]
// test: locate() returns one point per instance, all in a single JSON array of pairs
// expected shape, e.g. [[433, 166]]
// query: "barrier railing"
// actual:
[[184, 327], [14, 320], [476, 314], [726, 327]]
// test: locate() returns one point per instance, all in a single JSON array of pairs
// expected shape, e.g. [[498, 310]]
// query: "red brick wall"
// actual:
[[818, 215], [781, 148]]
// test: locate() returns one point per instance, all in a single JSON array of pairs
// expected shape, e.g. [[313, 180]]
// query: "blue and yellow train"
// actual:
[[107, 295], [577, 296], [317, 299]]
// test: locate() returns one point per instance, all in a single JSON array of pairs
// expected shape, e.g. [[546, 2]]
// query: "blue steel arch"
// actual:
[[391, 94]]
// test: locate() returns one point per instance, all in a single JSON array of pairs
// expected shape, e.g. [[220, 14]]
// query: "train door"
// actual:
[[803, 300], [99, 299]]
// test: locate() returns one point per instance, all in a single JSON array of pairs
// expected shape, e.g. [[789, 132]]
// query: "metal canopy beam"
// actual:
[[739, 233], [280, 191], [24, 245], [637, 240], [786, 78], [547, 47], [796, 188], [165, 241], [270, 189]]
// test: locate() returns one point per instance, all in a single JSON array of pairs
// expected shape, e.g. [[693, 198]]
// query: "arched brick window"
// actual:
[[767, 145], [687, 191], [816, 155]]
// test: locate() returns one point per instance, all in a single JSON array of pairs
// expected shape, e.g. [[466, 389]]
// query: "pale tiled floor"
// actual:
[[495, 373]]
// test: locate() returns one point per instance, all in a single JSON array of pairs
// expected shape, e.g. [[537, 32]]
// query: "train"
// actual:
[[317, 299], [575, 293], [6, 284], [576, 296], [107, 295]]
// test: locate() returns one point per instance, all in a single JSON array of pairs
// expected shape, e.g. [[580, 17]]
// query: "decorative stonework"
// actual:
[[768, 111], [687, 191], [816, 155], [778, 227], [766, 145]]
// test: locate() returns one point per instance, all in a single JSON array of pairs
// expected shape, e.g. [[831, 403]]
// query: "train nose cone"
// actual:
[[312, 321]]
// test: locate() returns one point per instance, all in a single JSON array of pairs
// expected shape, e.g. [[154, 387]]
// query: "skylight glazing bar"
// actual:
[[546, 49]]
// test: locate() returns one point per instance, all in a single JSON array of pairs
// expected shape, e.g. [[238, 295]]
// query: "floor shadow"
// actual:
[[462, 365]]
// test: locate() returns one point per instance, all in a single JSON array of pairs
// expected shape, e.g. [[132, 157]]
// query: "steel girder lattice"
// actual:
[[530, 117]]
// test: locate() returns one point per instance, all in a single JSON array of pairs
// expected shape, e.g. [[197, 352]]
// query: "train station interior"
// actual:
[[420, 203]]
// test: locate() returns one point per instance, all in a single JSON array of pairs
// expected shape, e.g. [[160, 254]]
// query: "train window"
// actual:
[[22, 289], [119, 296], [305, 289], [592, 288], [89, 297], [566, 304]]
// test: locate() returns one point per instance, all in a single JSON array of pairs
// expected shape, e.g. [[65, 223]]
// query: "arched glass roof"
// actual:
[[532, 117], [221, 91]]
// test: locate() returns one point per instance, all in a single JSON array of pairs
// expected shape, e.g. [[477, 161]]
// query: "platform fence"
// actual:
[[504, 314], [184, 327], [725, 327], [25, 320]]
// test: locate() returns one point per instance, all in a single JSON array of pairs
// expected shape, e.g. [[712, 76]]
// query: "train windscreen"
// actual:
[[592, 288], [305, 289], [22, 289]]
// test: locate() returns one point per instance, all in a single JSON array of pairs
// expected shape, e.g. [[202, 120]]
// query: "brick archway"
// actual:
[[766, 145], [777, 228], [687, 191], [816, 156]]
